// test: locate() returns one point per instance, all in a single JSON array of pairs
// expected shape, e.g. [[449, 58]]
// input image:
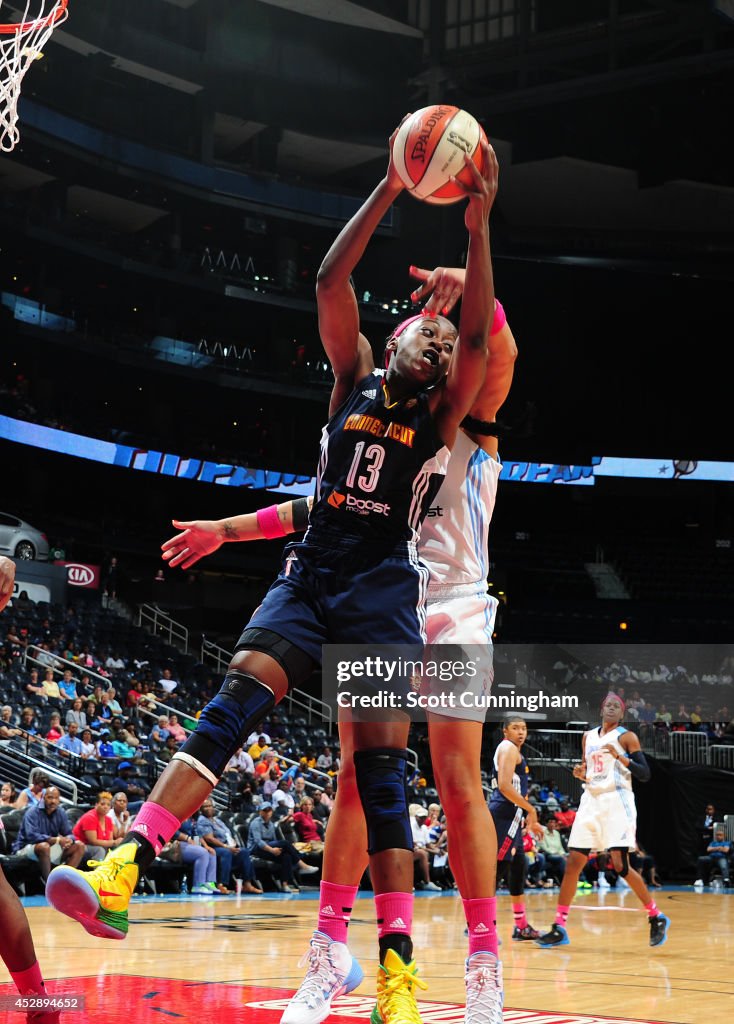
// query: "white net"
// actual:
[[23, 35]]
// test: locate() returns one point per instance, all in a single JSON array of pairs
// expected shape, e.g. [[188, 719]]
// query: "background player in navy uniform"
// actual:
[[383, 453], [508, 806], [16, 942], [459, 610], [607, 817]]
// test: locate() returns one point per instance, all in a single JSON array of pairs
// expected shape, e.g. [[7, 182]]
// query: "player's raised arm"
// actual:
[[202, 537], [468, 365], [336, 301]]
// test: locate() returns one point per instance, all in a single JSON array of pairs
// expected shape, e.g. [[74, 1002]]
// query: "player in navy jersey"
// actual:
[[508, 806], [460, 610], [355, 577]]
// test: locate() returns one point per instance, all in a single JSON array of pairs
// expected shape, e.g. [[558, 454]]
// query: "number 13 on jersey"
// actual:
[[374, 457]]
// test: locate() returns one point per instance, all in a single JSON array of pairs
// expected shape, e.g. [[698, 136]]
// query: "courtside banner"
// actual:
[[205, 471], [539, 682]]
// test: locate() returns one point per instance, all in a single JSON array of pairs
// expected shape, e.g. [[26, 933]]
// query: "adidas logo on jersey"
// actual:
[[370, 393], [328, 912], [397, 923]]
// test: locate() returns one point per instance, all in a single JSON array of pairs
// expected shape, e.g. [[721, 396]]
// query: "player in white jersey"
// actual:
[[460, 610], [607, 817]]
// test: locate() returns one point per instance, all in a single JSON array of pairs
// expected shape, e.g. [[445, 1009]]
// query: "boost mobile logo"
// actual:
[[336, 500]]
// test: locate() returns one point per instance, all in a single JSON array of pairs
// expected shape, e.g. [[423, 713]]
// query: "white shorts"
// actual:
[[605, 821], [55, 853], [461, 616]]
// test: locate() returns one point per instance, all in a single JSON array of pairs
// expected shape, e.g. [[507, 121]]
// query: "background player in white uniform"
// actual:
[[460, 611], [607, 817]]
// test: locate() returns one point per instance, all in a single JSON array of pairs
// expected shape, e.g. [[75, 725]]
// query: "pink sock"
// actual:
[[561, 915], [518, 912], [481, 920], [29, 980], [335, 909], [155, 824], [394, 913], [652, 909]]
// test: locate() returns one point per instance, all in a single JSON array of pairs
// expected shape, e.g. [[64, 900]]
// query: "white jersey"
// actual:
[[453, 541], [605, 774]]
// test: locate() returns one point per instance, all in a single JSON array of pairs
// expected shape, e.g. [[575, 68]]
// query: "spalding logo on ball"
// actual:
[[430, 147]]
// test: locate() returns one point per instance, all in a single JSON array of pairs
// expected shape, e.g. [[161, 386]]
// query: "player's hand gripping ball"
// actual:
[[429, 148]]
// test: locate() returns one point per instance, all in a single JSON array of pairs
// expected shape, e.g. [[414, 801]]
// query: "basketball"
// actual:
[[430, 147]]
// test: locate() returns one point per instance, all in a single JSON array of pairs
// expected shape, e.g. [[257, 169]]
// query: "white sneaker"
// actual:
[[484, 995], [432, 887], [309, 869], [201, 890], [698, 884], [332, 971]]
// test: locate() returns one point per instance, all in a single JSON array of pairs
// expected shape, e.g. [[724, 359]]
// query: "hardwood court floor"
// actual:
[[230, 961]]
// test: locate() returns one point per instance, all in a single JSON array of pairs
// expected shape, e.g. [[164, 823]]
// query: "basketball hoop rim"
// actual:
[[29, 26]]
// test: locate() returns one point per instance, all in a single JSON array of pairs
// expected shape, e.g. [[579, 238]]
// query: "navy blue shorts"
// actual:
[[509, 830], [337, 589]]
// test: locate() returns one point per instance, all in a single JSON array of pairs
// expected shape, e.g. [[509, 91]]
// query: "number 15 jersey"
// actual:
[[381, 466]]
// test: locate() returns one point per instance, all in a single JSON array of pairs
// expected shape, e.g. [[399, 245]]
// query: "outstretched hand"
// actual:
[[393, 178], [199, 538], [443, 286], [7, 579], [482, 190]]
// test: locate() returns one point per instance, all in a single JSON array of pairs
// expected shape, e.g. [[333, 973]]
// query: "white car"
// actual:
[[21, 540]]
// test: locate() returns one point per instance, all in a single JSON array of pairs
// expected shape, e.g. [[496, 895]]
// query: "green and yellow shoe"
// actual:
[[97, 899]]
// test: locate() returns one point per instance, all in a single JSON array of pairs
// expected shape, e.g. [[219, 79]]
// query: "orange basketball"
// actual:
[[430, 147]]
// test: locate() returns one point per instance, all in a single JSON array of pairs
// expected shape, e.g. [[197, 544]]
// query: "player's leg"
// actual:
[[522, 930], [332, 970], [18, 952], [99, 899], [558, 936], [659, 923], [456, 747]]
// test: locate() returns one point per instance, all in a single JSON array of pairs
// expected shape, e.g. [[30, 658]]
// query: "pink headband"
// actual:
[[399, 330], [616, 697]]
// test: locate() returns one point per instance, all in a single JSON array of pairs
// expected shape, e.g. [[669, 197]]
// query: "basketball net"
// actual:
[[21, 43]]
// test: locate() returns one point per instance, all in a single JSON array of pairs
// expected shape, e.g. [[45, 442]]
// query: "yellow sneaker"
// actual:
[[97, 899], [396, 984]]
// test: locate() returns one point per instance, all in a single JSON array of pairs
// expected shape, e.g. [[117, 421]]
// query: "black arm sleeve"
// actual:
[[639, 767], [300, 514]]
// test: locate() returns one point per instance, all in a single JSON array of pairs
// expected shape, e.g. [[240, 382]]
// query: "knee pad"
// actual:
[[516, 874], [225, 723], [624, 854], [381, 775]]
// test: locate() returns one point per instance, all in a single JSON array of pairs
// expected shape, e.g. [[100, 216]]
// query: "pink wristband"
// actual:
[[500, 319], [269, 522]]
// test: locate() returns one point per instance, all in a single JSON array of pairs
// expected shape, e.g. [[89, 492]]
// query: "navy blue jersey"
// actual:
[[520, 779], [381, 465]]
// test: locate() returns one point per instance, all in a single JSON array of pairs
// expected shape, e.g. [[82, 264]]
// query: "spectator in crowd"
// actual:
[[262, 841], [258, 748], [696, 716], [553, 849], [89, 747], [159, 733], [270, 785], [565, 817], [267, 764], [231, 858], [123, 782], [167, 683], [299, 789], [320, 811], [96, 829], [325, 760], [8, 796], [46, 835], [308, 828], [642, 862], [120, 745], [133, 694], [114, 663], [34, 686], [34, 793], [55, 728], [170, 748], [179, 733], [716, 856], [50, 686], [28, 724], [71, 743], [90, 713], [8, 729], [204, 861], [105, 748], [75, 714], [240, 761], [67, 685], [706, 827], [663, 716], [113, 702], [327, 796], [119, 814], [282, 797], [421, 839]]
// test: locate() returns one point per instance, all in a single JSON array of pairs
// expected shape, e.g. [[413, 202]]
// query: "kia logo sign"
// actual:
[[80, 575]]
